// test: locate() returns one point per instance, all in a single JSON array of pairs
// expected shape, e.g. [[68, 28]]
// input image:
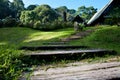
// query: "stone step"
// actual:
[[69, 54], [63, 52], [55, 43], [52, 47]]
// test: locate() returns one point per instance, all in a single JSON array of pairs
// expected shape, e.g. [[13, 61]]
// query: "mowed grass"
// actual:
[[18, 36]]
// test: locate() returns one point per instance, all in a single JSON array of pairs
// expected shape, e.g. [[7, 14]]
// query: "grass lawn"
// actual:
[[18, 36]]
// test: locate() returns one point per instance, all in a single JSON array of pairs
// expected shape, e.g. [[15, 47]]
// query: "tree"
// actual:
[[45, 13], [42, 13], [113, 17], [4, 9], [61, 9], [86, 12], [17, 6], [31, 7], [71, 11], [27, 16]]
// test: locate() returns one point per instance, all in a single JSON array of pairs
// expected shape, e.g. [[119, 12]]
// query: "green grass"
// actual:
[[106, 37], [18, 36], [11, 59]]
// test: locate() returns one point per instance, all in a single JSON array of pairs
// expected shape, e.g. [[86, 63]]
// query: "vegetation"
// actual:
[[106, 37], [86, 12], [24, 36], [113, 16], [10, 63], [36, 15], [19, 27]]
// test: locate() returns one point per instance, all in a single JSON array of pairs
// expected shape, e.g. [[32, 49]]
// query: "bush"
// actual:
[[112, 21], [1, 23], [10, 64], [81, 26], [51, 26], [37, 25], [9, 22]]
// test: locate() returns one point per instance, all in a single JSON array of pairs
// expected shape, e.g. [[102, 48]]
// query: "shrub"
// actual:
[[81, 26], [1, 23], [37, 25], [9, 22], [9, 65], [51, 26]]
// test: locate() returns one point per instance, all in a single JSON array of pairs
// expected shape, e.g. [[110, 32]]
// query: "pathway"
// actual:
[[99, 71], [78, 35]]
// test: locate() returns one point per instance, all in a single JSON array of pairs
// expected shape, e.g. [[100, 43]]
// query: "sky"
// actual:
[[71, 4]]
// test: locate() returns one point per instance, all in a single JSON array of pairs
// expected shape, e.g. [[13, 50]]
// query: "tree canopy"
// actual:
[[41, 13], [86, 12]]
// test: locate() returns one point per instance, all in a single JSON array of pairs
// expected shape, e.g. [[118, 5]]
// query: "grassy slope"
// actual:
[[107, 37]]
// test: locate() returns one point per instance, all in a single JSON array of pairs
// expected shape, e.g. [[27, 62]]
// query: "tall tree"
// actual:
[[31, 7], [4, 8], [42, 13], [86, 12], [17, 6], [61, 9]]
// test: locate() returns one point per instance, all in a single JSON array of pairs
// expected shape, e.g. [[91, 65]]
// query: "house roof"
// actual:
[[99, 13]]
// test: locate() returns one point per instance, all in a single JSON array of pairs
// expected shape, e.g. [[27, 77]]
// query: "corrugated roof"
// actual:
[[99, 13]]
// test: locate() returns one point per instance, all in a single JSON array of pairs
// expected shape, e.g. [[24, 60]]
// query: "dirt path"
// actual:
[[78, 35], [99, 71]]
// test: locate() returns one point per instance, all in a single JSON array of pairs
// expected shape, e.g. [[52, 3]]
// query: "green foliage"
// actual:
[[27, 17], [81, 26], [12, 60], [31, 7], [10, 63], [8, 8], [43, 13], [4, 9], [61, 9], [70, 13], [1, 23], [86, 12], [113, 17], [37, 25], [18, 4], [52, 26], [9, 22], [106, 37], [43, 18]]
